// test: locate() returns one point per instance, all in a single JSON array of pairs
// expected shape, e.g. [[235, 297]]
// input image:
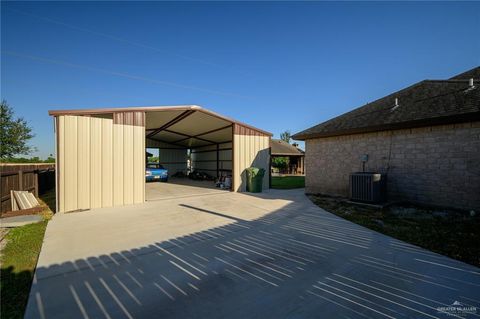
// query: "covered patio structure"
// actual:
[[294, 158]]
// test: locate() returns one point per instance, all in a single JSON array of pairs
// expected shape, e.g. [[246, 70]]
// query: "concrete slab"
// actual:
[[180, 187], [269, 255], [17, 221]]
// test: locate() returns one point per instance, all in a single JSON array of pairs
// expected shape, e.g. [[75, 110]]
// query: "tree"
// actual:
[[50, 159], [286, 136], [153, 159], [14, 133], [24, 160], [280, 162]]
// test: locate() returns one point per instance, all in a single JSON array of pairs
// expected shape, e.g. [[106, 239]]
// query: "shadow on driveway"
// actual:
[[297, 262]]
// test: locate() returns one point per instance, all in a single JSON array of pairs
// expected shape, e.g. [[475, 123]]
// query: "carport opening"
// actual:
[[194, 147]]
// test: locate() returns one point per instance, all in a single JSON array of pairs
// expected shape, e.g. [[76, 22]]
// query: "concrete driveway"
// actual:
[[231, 255], [180, 187]]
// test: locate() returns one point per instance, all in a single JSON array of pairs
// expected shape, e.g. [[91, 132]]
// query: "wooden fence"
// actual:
[[35, 178]]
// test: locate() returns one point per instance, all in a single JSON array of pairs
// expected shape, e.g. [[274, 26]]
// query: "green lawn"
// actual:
[[451, 233], [287, 182], [19, 258], [18, 261]]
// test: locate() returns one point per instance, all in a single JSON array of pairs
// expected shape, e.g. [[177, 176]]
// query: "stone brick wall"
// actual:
[[438, 165]]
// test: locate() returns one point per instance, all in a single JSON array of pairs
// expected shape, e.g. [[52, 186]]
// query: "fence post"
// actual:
[[20, 180], [35, 181]]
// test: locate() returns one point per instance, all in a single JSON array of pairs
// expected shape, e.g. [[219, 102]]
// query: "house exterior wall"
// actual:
[[100, 161], [250, 148], [437, 165]]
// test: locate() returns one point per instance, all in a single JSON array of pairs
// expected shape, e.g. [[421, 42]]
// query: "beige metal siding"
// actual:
[[95, 162], [118, 165], [107, 167], [101, 164], [57, 167], [127, 164], [70, 164], [84, 162], [250, 148], [138, 163], [225, 158], [204, 159]]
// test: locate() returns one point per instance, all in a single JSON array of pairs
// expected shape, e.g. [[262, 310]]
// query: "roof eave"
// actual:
[[459, 118], [287, 154], [153, 109], [123, 109]]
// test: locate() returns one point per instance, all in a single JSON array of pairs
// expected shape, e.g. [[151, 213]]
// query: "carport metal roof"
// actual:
[[182, 125]]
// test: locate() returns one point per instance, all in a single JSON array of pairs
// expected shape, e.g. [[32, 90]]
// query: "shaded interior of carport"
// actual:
[[189, 140]]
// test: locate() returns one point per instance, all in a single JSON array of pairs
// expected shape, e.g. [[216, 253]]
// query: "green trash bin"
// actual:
[[255, 179]]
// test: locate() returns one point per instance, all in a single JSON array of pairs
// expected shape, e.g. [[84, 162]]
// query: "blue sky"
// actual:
[[274, 65]]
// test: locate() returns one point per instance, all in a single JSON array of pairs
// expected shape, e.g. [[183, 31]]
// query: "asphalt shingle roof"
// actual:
[[280, 147], [470, 74], [428, 102]]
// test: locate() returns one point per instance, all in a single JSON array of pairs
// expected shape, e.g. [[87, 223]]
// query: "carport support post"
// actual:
[[270, 165], [218, 160]]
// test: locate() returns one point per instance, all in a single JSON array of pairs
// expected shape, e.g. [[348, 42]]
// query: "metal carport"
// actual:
[[100, 153]]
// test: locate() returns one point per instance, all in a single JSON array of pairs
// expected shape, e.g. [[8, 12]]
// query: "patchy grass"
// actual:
[[451, 233], [48, 198], [18, 261], [287, 182]]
